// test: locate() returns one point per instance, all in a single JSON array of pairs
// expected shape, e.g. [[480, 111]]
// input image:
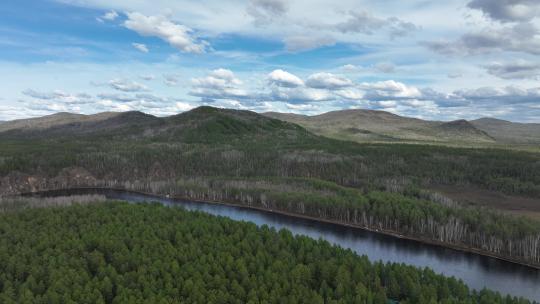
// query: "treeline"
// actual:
[[507, 236], [122, 253], [375, 167]]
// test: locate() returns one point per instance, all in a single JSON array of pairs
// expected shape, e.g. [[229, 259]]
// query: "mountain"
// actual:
[[370, 125], [203, 124], [509, 132], [206, 124]]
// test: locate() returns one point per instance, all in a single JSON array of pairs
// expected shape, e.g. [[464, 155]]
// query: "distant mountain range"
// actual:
[[369, 125], [354, 125]]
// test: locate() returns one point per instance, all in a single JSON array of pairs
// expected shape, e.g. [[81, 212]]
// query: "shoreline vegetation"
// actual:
[[146, 253], [392, 233]]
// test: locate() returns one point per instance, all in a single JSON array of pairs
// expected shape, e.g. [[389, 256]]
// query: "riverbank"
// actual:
[[306, 217]]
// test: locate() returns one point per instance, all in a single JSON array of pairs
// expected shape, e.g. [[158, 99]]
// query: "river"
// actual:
[[475, 270]]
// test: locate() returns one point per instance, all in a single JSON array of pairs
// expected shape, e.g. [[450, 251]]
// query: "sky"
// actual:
[[437, 60]]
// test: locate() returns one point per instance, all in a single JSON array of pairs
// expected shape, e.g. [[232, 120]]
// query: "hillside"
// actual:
[[203, 124], [369, 125], [509, 132]]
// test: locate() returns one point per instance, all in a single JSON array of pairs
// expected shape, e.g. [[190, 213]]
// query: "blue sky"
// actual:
[[427, 59]]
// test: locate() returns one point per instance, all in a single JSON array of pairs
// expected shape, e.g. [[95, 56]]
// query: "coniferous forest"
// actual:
[[113, 252]]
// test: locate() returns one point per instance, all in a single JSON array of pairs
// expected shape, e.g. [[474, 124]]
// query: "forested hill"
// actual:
[[246, 158], [203, 124]]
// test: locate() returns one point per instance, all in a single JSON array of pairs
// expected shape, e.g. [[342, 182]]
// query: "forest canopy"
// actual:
[[116, 252]]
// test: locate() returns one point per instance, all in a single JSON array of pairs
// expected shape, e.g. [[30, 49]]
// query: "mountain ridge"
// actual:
[[356, 125], [198, 125], [372, 125]]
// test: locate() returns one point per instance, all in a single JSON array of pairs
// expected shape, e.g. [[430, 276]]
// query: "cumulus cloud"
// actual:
[[299, 95], [127, 85], [282, 78], [141, 47], [390, 89], [328, 81], [148, 103], [179, 36], [219, 84], [265, 11], [519, 69], [350, 94], [508, 10], [108, 16]]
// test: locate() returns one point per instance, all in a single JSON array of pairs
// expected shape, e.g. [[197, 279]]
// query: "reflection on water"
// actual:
[[475, 270]]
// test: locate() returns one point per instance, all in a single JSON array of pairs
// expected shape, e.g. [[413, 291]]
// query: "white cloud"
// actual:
[[351, 68], [183, 106], [328, 81], [350, 94], [284, 79], [302, 107], [300, 95], [108, 16], [177, 35], [384, 90], [219, 84], [141, 47]]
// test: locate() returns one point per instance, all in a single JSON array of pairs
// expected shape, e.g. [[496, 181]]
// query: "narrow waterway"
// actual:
[[475, 270]]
